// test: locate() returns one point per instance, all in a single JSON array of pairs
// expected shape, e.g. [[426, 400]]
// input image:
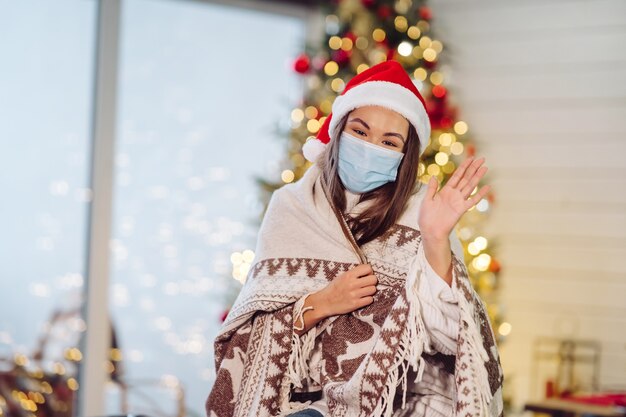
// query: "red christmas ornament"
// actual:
[[350, 35], [494, 265], [302, 64], [446, 122], [439, 91], [491, 197], [368, 3], [429, 64], [471, 149], [436, 110], [384, 11], [224, 314], [341, 57], [425, 13]]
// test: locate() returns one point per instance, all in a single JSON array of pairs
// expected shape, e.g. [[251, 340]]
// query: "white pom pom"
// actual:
[[312, 149]]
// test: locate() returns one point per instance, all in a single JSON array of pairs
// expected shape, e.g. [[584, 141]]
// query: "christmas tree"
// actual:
[[362, 33]]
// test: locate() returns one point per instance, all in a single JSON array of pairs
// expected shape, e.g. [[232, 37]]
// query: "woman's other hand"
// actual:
[[440, 211], [349, 291]]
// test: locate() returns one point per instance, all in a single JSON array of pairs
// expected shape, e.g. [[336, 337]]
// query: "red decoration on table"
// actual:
[[611, 399]]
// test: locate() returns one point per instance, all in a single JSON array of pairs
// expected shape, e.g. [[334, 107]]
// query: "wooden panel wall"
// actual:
[[542, 85]]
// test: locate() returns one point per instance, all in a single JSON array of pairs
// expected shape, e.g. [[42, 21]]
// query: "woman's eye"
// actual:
[[386, 142], [360, 132]]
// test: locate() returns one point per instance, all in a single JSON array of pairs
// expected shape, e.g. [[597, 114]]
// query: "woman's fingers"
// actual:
[[365, 291], [366, 281], [467, 189], [365, 301], [361, 270], [459, 172], [465, 172]]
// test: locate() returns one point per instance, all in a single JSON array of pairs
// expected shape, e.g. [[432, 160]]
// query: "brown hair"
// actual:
[[389, 199]]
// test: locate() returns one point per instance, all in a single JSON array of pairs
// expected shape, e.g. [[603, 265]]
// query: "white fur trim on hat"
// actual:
[[386, 94], [312, 149]]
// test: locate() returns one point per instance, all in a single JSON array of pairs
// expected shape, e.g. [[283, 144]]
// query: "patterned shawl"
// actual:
[[375, 361]]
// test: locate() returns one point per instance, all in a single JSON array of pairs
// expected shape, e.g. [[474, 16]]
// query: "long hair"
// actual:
[[390, 199]]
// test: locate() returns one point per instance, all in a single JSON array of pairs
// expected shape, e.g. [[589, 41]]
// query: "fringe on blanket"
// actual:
[[476, 347], [298, 368], [413, 342]]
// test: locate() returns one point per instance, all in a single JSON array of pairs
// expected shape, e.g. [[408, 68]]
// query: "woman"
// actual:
[[358, 302]]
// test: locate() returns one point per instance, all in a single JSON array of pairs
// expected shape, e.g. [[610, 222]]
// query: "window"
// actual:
[[201, 89]]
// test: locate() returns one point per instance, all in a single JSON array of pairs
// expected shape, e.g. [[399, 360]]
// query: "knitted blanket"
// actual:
[[377, 360]]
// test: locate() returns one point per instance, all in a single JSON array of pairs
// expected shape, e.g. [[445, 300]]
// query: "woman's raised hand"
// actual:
[[349, 291], [440, 211]]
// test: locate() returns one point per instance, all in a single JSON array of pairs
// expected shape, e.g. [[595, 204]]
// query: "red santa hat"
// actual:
[[386, 84]]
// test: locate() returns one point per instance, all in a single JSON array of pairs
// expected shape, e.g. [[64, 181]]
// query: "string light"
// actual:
[[460, 127], [287, 176], [456, 148], [241, 262], [313, 126], [429, 54], [401, 24], [405, 48], [334, 42], [441, 158], [418, 53], [331, 68], [505, 329], [425, 42], [346, 44], [297, 115], [337, 85], [332, 24], [378, 35], [436, 78], [311, 112], [420, 74], [414, 32], [362, 43]]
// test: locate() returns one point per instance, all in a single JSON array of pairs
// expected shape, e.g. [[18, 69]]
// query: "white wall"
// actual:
[[542, 85]]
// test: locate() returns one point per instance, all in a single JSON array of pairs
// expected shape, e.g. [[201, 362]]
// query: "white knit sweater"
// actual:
[[439, 308]]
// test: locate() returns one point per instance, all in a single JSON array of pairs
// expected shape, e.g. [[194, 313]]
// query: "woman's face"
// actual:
[[378, 125]]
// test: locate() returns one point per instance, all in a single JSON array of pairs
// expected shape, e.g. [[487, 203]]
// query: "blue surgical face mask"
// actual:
[[364, 166]]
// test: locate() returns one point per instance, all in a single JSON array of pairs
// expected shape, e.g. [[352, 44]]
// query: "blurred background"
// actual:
[[140, 141]]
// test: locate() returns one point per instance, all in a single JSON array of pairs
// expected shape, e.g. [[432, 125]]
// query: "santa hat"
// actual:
[[386, 84]]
